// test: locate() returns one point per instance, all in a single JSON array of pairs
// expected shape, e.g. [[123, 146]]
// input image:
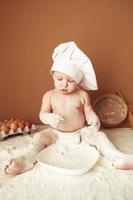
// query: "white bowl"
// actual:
[[68, 159]]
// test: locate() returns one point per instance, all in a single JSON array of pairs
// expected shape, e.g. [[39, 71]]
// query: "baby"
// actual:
[[68, 111]]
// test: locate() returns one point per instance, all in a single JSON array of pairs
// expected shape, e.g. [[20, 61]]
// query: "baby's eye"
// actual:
[[59, 79], [71, 81]]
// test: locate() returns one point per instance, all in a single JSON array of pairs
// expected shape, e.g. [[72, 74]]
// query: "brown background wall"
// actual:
[[31, 29]]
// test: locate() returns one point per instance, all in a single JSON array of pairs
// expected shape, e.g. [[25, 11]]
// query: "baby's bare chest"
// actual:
[[67, 103]]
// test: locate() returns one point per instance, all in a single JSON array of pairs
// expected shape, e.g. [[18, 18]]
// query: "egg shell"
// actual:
[[13, 126], [17, 120], [5, 128], [27, 123], [21, 125]]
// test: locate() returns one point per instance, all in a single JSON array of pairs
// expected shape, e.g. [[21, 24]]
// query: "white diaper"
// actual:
[[69, 137], [75, 137], [65, 137]]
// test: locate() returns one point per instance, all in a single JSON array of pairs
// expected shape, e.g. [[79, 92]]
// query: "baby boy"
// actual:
[[68, 111]]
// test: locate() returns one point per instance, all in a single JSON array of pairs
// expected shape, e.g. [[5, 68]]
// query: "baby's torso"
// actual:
[[71, 108]]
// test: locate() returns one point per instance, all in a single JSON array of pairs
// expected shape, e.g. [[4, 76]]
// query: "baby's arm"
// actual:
[[46, 115], [91, 117]]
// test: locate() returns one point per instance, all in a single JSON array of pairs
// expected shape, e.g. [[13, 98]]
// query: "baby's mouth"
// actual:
[[63, 91]]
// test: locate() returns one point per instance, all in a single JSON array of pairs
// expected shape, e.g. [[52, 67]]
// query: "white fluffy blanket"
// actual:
[[102, 182]]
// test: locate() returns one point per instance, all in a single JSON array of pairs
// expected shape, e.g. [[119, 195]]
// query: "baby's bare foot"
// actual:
[[17, 166], [124, 163]]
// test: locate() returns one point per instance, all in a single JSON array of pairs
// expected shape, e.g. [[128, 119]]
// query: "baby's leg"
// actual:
[[123, 161], [17, 165], [105, 147], [99, 140], [26, 162]]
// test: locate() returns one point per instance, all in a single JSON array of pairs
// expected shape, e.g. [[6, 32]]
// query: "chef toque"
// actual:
[[70, 60]]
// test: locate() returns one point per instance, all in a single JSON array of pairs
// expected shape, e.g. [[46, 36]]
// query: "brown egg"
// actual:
[[21, 125], [27, 123], [13, 126], [8, 124], [23, 121], [4, 127], [17, 120]]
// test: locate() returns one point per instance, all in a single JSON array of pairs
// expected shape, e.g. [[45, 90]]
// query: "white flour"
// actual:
[[102, 182]]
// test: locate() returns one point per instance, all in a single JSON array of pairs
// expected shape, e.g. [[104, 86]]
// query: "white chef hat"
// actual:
[[70, 60]]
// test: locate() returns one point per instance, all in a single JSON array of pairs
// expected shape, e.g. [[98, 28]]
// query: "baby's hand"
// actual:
[[51, 118], [94, 121], [55, 119]]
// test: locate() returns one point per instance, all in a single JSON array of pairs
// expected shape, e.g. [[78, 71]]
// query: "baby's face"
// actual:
[[64, 83]]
